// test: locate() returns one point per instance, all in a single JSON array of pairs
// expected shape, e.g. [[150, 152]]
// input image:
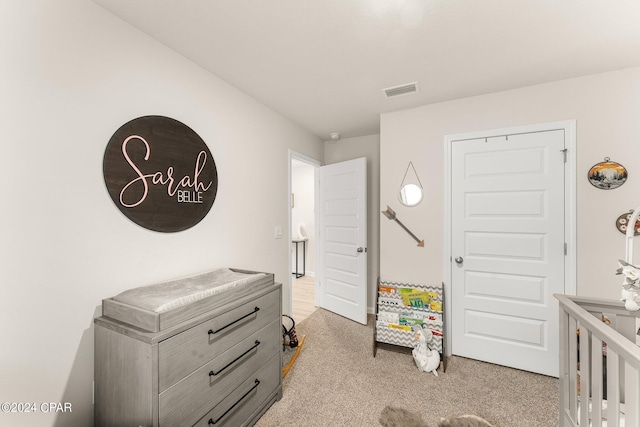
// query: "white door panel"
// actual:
[[515, 204], [505, 287], [507, 225], [343, 230]]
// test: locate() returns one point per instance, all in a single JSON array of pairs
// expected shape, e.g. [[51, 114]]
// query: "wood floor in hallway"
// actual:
[[303, 297]]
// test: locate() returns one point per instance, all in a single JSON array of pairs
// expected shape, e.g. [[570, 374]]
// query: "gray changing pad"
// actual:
[[166, 296]]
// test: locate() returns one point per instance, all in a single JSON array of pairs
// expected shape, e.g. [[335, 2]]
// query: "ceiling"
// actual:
[[323, 63]]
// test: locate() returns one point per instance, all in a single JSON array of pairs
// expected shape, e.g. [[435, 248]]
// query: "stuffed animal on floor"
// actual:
[[464, 421], [392, 416], [426, 359], [630, 293], [399, 417]]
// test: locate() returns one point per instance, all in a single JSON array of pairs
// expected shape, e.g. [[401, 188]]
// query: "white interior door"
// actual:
[[343, 239], [508, 248]]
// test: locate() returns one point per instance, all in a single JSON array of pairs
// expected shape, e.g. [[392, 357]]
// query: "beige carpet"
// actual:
[[336, 381]]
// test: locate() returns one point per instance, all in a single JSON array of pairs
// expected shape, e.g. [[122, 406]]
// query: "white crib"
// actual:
[[600, 367]]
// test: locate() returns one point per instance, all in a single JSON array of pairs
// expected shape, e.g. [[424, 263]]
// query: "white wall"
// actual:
[[303, 212], [606, 108], [369, 147], [71, 75]]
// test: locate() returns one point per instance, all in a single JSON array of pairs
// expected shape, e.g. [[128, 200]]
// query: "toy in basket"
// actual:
[[426, 359]]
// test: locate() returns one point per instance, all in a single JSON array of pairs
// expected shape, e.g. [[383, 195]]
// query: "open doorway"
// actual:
[[303, 243]]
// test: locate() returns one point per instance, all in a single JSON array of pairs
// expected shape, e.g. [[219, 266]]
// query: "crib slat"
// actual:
[[566, 418], [585, 361], [632, 396], [563, 389], [596, 386], [573, 367], [613, 388]]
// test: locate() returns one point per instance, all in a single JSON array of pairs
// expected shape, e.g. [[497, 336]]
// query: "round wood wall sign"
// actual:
[[160, 174]]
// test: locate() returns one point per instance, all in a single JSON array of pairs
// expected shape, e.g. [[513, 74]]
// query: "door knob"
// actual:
[[459, 259], [361, 249]]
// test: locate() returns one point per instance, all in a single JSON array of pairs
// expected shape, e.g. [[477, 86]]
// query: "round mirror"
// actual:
[[410, 195]]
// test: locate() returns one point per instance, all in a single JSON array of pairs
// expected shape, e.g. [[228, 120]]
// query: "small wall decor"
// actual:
[[410, 194], [622, 223], [160, 174], [607, 175], [391, 214]]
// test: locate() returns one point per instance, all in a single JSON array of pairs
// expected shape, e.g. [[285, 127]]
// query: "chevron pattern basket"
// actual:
[[390, 301]]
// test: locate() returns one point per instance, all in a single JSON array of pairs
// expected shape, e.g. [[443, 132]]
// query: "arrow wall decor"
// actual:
[[391, 214]]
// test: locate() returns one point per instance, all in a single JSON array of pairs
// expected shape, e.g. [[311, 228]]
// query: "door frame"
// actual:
[[569, 127], [294, 155]]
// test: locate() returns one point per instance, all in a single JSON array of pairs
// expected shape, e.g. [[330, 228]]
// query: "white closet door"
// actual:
[[508, 249]]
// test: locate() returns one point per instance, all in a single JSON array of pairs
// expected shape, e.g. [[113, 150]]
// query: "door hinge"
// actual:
[[565, 248], [564, 154]]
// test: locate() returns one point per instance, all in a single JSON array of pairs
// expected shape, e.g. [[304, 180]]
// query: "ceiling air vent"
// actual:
[[405, 89]]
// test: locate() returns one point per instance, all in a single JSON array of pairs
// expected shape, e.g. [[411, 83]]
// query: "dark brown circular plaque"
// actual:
[[160, 174]]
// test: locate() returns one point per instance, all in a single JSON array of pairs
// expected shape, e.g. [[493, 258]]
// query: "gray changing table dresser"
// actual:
[[215, 362]]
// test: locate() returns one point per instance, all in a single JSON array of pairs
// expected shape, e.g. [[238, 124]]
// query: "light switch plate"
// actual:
[[277, 232]]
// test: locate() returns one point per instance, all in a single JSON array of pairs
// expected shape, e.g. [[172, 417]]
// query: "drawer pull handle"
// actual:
[[235, 360], [234, 405], [255, 310]]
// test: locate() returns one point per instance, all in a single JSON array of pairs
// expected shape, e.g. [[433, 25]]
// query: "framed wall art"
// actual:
[[607, 175]]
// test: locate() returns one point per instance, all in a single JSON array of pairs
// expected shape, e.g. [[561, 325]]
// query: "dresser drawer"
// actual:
[[187, 401], [246, 399], [181, 354]]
